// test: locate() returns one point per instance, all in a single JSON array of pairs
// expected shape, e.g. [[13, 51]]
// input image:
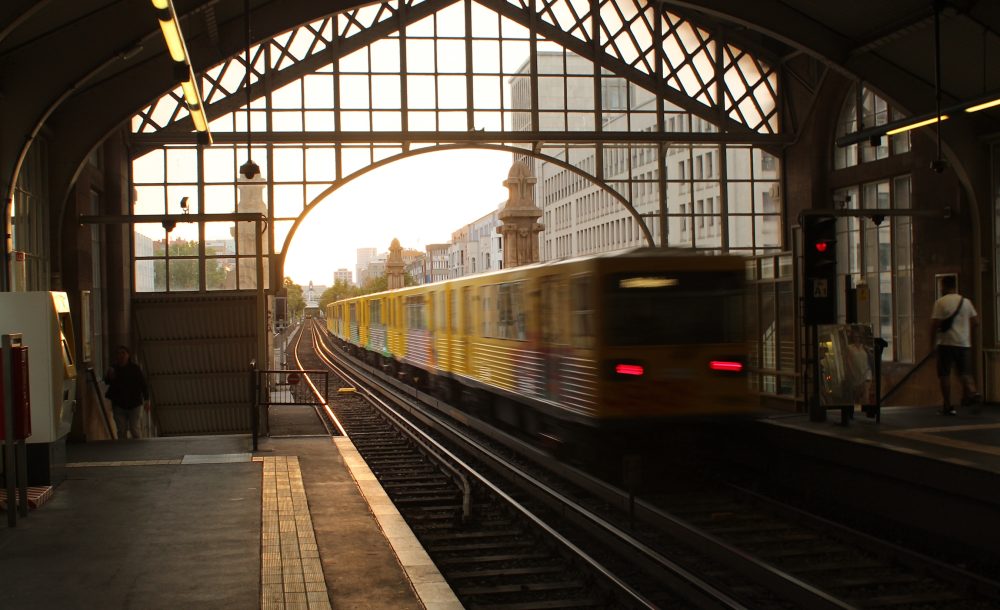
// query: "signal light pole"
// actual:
[[819, 291], [818, 296]]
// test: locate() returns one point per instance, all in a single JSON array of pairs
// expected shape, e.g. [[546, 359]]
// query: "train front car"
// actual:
[[671, 338]]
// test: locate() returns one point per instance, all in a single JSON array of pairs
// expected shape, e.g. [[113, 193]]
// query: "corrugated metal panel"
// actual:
[[214, 419], [377, 339], [578, 384], [456, 354], [187, 316], [196, 350], [199, 356], [418, 349], [516, 370], [201, 388]]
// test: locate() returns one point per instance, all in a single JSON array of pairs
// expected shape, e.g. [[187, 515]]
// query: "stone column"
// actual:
[[394, 273], [518, 218], [251, 199]]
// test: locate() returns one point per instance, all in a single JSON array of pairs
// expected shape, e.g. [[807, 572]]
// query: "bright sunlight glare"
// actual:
[[419, 200]]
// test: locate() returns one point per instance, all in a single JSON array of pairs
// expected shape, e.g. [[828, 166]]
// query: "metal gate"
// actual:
[[284, 387]]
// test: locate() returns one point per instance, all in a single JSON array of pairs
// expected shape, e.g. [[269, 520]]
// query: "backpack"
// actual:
[[945, 325]]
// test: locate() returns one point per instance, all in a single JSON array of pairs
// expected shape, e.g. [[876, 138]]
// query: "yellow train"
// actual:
[[633, 335]]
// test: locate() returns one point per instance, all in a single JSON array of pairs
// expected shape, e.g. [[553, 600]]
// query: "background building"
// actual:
[[342, 275], [437, 256], [365, 256], [735, 210], [476, 247]]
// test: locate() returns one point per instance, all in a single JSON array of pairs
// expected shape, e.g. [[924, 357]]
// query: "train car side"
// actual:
[[592, 341]]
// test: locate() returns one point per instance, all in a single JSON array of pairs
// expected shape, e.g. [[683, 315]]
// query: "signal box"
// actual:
[[819, 269]]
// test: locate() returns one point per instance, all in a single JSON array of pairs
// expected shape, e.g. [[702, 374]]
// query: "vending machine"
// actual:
[[43, 319]]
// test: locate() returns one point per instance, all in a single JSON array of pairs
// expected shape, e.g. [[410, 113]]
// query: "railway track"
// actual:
[[705, 545], [491, 553]]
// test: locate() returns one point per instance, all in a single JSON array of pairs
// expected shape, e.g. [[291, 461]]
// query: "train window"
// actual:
[[511, 317], [454, 313], [582, 312], [487, 298], [375, 311], [552, 299], [693, 307], [416, 313]]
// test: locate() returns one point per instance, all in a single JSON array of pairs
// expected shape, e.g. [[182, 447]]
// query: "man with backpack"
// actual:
[[952, 321]]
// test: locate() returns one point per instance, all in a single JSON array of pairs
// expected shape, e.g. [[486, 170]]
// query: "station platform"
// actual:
[[203, 522], [970, 439], [935, 473]]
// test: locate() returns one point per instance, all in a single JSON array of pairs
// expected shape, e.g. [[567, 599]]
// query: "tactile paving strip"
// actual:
[[290, 570]]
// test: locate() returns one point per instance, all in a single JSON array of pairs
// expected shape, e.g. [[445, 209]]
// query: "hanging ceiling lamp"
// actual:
[[248, 169]]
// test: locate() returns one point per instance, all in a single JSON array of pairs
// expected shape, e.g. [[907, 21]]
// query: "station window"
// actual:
[[863, 109], [196, 256], [879, 257]]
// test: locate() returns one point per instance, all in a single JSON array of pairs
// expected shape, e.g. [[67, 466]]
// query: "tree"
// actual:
[[293, 295], [381, 283], [375, 284], [339, 290], [184, 272]]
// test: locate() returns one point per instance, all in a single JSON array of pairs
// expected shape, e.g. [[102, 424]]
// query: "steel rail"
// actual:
[[687, 584], [883, 548], [769, 576], [321, 400], [773, 578], [455, 474]]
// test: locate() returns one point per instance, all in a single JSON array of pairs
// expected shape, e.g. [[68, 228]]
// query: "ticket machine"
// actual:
[[43, 319]]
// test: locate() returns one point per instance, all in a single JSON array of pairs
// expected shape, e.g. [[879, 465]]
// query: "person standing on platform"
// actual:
[[952, 321], [127, 391]]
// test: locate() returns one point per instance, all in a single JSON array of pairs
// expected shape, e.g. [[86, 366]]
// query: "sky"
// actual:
[[419, 200]]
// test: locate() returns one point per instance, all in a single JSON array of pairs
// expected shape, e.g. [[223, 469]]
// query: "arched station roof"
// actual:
[[79, 70]]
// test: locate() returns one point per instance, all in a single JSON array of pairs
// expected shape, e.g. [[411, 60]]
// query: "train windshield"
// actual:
[[674, 308]]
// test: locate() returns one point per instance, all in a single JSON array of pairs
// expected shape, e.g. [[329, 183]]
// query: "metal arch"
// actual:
[[272, 80], [329, 39], [442, 147], [656, 82]]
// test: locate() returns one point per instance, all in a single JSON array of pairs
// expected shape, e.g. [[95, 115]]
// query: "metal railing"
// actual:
[[271, 387], [290, 387]]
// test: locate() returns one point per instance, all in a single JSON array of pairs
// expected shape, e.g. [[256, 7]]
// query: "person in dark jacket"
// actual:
[[127, 391]]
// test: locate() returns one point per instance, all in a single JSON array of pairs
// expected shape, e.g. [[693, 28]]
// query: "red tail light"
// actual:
[[728, 366], [634, 370]]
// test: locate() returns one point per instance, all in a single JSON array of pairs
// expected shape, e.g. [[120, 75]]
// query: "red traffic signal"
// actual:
[[819, 268]]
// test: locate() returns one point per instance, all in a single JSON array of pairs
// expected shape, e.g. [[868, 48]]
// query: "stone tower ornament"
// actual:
[[519, 216], [395, 277]]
